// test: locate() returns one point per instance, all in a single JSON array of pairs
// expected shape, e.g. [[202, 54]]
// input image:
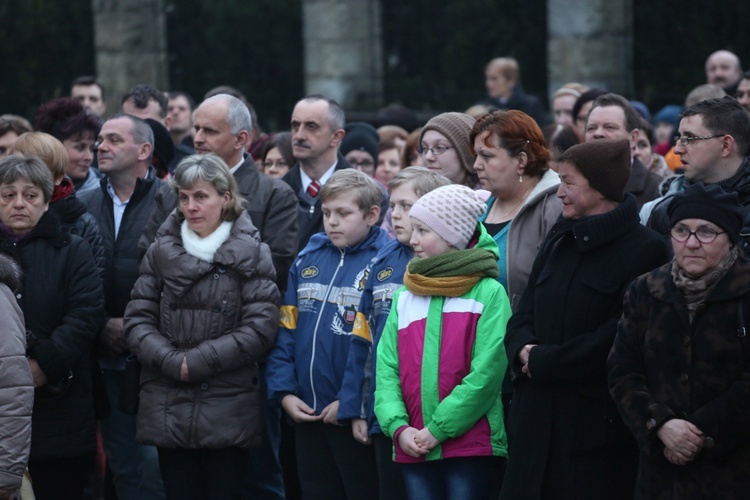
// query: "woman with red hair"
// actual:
[[512, 163]]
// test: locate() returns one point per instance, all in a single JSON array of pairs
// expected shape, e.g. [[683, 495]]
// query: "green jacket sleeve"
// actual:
[[480, 389], [389, 401]]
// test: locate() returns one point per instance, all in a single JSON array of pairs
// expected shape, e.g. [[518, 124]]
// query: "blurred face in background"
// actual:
[[389, 165], [274, 165], [562, 107], [643, 148]]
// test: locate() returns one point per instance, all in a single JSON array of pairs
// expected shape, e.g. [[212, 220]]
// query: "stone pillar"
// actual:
[[131, 46], [591, 43], [343, 51]]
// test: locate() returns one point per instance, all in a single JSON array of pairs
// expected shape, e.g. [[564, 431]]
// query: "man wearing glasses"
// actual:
[[713, 143]]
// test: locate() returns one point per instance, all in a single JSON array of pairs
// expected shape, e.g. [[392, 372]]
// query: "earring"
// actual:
[[520, 178]]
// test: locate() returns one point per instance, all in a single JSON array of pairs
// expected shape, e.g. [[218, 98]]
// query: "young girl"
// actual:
[[441, 359]]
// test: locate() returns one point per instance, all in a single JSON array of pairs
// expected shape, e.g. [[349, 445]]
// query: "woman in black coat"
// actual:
[[62, 304], [565, 437], [679, 370]]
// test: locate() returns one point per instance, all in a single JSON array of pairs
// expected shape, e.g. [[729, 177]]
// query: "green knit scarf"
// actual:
[[451, 274]]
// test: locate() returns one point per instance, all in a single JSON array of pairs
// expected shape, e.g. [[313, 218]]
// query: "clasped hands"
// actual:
[[416, 443], [299, 411], [682, 441]]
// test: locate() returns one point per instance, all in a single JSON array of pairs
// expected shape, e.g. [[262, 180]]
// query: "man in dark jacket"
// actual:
[[122, 207], [713, 148], [613, 117], [504, 91], [567, 440], [317, 131]]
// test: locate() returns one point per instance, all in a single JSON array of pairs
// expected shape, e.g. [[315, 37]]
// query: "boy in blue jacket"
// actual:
[[306, 367], [386, 274]]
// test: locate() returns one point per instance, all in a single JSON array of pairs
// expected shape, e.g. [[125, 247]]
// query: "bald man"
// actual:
[[723, 69]]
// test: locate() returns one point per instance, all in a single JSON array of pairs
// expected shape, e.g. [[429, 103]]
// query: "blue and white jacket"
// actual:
[[385, 276], [317, 317]]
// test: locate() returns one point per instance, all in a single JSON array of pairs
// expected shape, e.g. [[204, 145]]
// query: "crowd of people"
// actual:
[[500, 303]]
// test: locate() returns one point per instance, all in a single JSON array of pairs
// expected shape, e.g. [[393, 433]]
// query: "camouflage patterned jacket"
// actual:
[[662, 366]]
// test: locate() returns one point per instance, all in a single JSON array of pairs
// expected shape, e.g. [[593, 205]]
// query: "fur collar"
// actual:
[[204, 248]]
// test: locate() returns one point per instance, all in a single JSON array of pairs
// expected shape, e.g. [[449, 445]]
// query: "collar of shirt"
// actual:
[[306, 180], [234, 168]]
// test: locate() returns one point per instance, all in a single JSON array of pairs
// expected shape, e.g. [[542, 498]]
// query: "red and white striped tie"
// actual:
[[313, 188]]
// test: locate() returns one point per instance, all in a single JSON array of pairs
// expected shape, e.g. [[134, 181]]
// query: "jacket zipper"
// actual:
[[317, 323]]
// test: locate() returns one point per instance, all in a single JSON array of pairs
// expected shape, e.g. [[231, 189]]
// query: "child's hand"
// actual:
[[426, 440], [298, 410], [329, 413], [409, 445], [359, 430]]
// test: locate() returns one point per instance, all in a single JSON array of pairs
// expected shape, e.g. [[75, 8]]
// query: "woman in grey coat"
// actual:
[[202, 315], [17, 392]]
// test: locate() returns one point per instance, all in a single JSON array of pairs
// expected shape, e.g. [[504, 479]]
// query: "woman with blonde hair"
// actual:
[[203, 314]]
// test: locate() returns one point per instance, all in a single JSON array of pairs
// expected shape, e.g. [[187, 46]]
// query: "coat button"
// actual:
[[684, 378], [585, 238], [650, 424], [204, 386], [708, 442], [18, 296], [216, 276]]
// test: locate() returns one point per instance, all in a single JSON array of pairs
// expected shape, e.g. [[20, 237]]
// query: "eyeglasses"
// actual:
[[361, 164], [437, 150], [278, 163], [686, 140], [681, 234]]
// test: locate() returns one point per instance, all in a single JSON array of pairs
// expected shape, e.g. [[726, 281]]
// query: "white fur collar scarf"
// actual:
[[204, 248]]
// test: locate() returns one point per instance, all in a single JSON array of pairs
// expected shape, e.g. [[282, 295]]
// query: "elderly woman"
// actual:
[[512, 163], [445, 147], [64, 202], [679, 370], [61, 299], [202, 315], [566, 439], [66, 120]]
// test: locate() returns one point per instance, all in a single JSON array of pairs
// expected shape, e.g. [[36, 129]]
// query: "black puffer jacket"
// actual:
[[74, 217], [63, 308], [17, 391], [223, 317]]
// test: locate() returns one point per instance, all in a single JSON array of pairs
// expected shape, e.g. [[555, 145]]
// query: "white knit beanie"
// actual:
[[451, 211]]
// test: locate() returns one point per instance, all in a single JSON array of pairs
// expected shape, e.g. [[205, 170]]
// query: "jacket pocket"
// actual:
[[600, 294]]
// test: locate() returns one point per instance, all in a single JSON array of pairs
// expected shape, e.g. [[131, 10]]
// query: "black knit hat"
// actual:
[[163, 145], [710, 203], [605, 163], [360, 136]]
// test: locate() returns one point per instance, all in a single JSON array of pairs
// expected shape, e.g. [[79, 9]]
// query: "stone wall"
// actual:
[[130, 44], [343, 51], [590, 42]]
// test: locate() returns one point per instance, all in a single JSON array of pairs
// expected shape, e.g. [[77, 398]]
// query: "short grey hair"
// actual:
[[336, 118], [140, 129], [238, 116], [31, 168]]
